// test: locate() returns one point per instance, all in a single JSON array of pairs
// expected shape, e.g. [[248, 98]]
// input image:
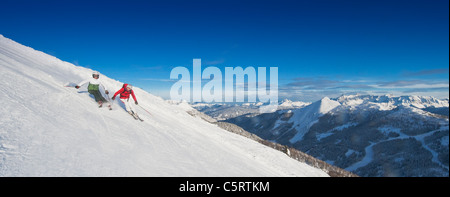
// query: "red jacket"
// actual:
[[124, 94]]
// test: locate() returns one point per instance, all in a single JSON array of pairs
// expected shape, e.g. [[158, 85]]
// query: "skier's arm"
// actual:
[[83, 82], [118, 92], [104, 87], [134, 97]]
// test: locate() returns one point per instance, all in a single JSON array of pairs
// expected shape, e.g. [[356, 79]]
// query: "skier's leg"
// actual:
[[97, 96], [93, 94], [125, 102], [100, 96], [131, 106]]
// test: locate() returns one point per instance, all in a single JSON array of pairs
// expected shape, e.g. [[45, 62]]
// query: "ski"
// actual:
[[132, 114], [138, 118], [135, 116]]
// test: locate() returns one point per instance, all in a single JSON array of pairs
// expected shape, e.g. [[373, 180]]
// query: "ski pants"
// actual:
[[97, 95], [128, 105]]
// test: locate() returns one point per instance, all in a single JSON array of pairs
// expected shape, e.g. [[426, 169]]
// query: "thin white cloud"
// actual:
[[310, 89]]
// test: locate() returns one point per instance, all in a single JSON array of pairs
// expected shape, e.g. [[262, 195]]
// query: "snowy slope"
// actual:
[[305, 117], [50, 130]]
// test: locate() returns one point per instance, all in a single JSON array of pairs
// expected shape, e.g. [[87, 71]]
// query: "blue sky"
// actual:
[[321, 47]]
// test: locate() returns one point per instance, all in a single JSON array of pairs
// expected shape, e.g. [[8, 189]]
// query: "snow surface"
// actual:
[[50, 130]]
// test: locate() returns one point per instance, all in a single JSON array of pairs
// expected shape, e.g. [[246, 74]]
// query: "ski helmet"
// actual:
[[95, 73]]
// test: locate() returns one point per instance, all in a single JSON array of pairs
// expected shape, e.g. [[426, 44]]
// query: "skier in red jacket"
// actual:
[[125, 92]]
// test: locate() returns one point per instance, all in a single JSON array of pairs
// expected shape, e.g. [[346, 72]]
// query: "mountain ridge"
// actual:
[[355, 132]]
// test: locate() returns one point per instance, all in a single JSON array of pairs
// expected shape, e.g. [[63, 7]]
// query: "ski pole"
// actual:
[[145, 110], [109, 100]]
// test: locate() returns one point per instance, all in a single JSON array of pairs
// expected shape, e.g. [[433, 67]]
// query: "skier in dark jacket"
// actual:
[[93, 88]]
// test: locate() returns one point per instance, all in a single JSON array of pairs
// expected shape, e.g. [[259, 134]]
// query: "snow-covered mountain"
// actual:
[[47, 129], [288, 104], [224, 111], [388, 102], [365, 134]]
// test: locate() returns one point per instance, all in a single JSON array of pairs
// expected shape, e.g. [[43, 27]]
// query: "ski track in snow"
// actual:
[[47, 129]]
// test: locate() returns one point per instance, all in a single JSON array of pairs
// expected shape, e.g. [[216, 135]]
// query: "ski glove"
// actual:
[[113, 97], [77, 87], [136, 102], [106, 92]]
